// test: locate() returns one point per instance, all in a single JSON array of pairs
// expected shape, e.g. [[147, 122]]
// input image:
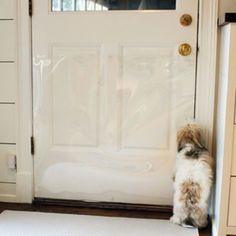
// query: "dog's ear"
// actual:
[[180, 147], [180, 139], [196, 135], [197, 140], [190, 133]]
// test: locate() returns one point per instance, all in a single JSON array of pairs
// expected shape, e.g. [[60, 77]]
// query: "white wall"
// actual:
[[8, 99], [227, 6]]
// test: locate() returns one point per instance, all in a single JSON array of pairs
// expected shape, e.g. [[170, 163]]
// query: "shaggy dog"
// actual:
[[192, 180]]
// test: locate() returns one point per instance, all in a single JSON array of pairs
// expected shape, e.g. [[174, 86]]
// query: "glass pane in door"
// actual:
[[111, 5]]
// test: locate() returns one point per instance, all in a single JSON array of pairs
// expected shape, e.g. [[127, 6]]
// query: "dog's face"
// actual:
[[190, 133]]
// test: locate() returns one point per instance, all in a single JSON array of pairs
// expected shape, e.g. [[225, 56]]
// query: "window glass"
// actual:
[[109, 5]]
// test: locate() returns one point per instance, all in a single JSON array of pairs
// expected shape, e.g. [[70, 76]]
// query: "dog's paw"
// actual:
[[202, 223], [175, 220]]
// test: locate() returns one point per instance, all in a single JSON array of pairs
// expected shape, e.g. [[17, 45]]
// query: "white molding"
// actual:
[[214, 230], [24, 187], [206, 71], [231, 230], [7, 198], [206, 74], [24, 178], [225, 129], [8, 192]]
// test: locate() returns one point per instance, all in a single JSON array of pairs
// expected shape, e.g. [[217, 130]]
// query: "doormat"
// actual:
[[21, 223]]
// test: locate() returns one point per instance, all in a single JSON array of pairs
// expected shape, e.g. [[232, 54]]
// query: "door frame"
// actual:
[[205, 88]]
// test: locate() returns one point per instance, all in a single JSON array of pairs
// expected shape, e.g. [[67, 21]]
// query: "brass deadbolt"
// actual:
[[186, 20], [185, 49]]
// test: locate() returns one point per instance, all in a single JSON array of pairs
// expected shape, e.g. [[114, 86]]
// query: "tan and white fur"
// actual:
[[193, 179]]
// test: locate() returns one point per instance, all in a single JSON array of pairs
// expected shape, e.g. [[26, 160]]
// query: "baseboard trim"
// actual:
[[102, 205]]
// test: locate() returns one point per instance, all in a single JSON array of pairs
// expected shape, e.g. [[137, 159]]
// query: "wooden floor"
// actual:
[[94, 211]]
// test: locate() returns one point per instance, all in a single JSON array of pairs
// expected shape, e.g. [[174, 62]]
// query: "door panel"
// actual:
[[110, 90], [145, 97], [7, 124], [75, 108], [7, 41], [7, 82], [7, 9]]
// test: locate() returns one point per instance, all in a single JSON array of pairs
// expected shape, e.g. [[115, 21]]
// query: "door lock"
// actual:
[[185, 49], [185, 20]]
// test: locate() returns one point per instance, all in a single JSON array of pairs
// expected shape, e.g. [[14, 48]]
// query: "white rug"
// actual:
[[19, 223]]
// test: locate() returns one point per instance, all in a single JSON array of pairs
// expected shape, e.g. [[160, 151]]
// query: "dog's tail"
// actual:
[[190, 194]]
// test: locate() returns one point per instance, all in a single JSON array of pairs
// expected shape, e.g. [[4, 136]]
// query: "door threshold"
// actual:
[[103, 205]]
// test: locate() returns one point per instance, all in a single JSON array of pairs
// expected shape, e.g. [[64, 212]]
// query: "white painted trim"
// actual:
[[231, 231], [214, 230], [24, 178], [205, 87], [206, 74], [7, 198], [225, 129], [206, 71]]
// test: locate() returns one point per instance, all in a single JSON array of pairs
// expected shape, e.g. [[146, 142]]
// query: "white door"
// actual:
[[110, 90]]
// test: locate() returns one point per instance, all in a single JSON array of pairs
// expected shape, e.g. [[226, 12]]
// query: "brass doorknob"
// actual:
[[185, 20], [185, 49]]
